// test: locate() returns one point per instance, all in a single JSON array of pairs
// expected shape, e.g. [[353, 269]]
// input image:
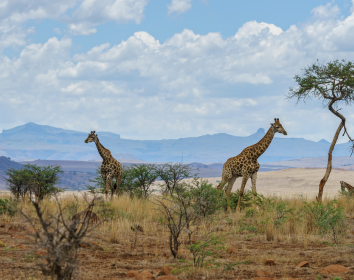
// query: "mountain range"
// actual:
[[32, 141]]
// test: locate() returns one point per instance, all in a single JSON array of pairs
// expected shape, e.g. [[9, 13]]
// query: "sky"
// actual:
[[167, 69]]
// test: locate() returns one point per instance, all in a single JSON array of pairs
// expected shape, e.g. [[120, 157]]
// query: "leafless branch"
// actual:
[[60, 238]]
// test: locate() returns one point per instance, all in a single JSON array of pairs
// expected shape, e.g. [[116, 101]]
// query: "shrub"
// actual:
[[8, 207], [173, 215], [60, 238], [212, 246], [206, 200], [137, 180], [267, 215], [246, 201], [347, 194], [324, 219]]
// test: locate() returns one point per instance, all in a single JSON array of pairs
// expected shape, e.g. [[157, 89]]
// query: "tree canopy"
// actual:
[[40, 180], [333, 83]]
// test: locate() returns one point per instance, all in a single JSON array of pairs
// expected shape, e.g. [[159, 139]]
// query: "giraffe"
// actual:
[[245, 164], [110, 167], [344, 185]]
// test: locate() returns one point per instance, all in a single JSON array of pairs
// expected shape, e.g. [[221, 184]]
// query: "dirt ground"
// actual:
[[102, 258]]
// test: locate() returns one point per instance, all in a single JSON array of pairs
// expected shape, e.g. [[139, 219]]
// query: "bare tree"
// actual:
[[174, 214], [60, 238], [334, 85]]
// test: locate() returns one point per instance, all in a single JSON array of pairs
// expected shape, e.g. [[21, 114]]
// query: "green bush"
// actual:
[[266, 211], [246, 201], [33, 179], [324, 219], [137, 180], [346, 193], [172, 174], [8, 207], [205, 196], [212, 246]]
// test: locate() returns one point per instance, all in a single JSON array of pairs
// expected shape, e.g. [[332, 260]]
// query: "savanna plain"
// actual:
[[280, 233]]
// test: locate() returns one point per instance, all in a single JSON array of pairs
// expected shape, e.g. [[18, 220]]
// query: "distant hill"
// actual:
[[32, 141], [6, 163]]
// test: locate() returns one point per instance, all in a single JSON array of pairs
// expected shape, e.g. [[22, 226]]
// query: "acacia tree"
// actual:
[[334, 85], [40, 180], [144, 176], [17, 182], [172, 174]]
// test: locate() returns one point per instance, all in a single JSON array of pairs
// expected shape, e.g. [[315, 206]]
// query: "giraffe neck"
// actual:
[[101, 150], [264, 143]]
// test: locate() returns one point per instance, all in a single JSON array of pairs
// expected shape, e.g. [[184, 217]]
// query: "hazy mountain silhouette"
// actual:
[[33, 141], [6, 163]]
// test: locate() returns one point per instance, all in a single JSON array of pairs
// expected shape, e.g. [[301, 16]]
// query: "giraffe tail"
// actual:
[[115, 186]]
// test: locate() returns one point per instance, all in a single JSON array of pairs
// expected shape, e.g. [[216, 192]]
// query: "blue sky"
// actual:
[[164, 69], [203, 17]]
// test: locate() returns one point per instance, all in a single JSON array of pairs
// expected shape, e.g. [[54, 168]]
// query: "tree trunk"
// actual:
[[329, 163]]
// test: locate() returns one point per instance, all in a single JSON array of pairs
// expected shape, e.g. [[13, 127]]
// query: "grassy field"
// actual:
[[245, 242]]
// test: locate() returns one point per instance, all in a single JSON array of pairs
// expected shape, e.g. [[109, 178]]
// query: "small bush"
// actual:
[[212, 246], [324, 219], [60, 238], [267, 215], [8, 207], [347, 194], [206, 197], [246, 201]]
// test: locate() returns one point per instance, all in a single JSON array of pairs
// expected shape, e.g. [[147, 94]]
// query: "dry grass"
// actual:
[[115, 255]]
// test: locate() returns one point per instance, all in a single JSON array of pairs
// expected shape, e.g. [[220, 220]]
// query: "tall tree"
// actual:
[[333, 83]]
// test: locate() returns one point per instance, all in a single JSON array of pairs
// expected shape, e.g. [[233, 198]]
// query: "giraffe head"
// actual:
[[92, 137], [277, 127]]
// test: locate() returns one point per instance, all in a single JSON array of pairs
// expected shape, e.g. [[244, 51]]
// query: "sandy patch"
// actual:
[[296, 181]]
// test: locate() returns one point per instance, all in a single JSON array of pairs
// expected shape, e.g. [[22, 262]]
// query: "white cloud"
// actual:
[[93, 12], [57, 30], [252, 28], [326, 11], [179, 6], [81, 29], [85, 16], [17, 11], [187, 86]]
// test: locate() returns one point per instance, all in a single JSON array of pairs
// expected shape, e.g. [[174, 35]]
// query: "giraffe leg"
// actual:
[[118, 180], [104, 178], [243, 185], [221, 186], [228, 191], [253, 179], [108, 184]]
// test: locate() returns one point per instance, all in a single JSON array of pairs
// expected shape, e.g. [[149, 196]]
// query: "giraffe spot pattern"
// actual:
[[245, 164]]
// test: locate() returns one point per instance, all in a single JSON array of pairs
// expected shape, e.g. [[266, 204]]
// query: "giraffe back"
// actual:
[[347, 186]]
